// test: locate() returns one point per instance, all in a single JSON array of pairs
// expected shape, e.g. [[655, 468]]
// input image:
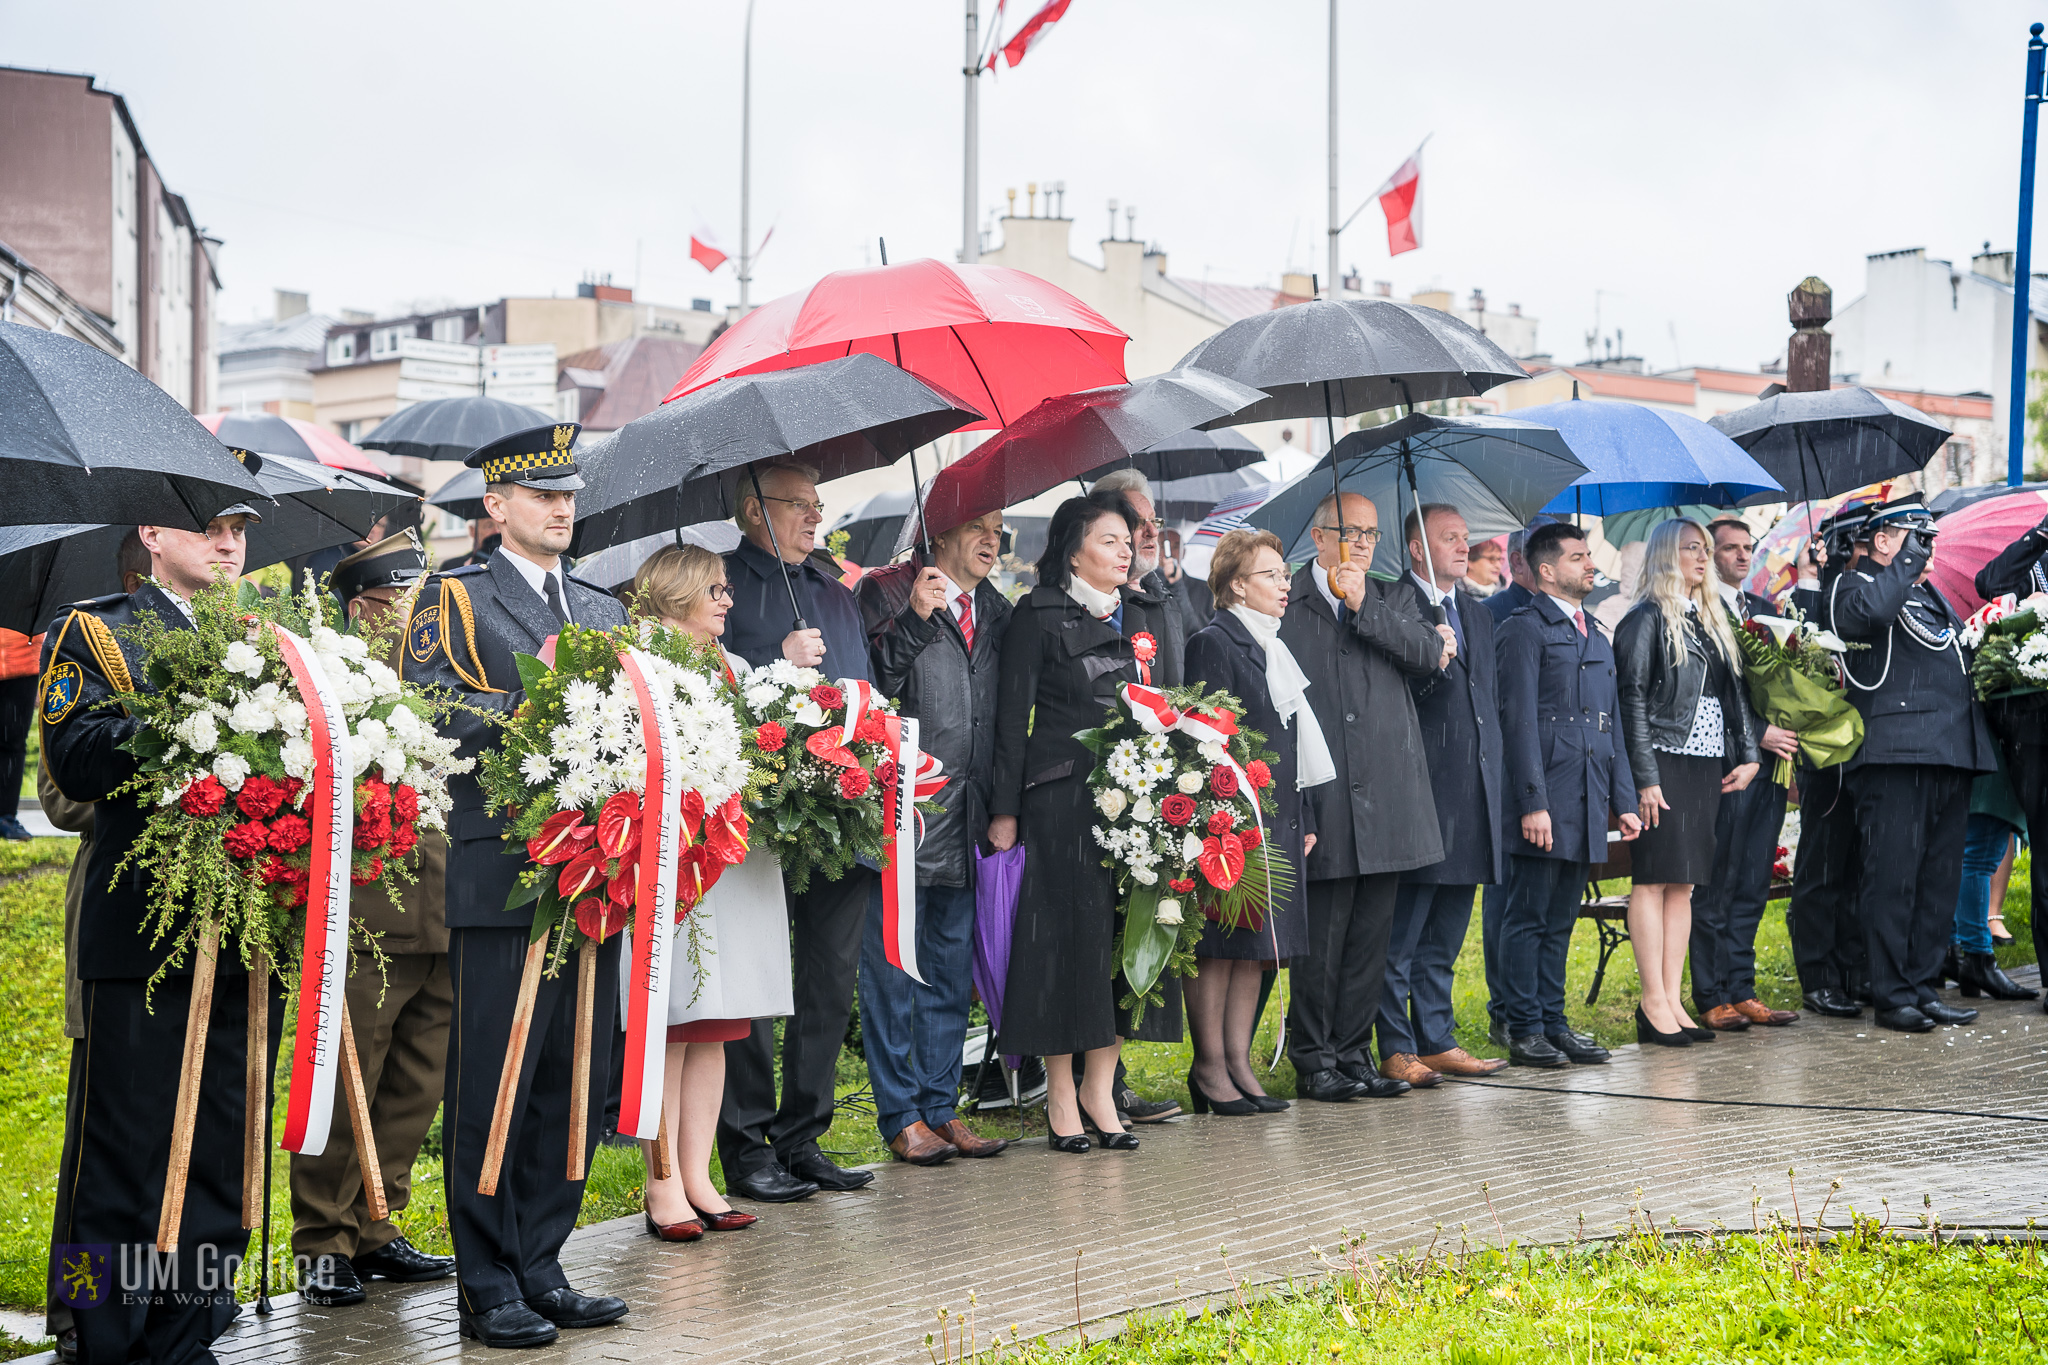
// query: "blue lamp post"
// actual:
[[2022, 320]]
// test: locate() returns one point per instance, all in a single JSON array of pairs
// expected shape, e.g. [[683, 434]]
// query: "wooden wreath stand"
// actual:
[[515, 1061]]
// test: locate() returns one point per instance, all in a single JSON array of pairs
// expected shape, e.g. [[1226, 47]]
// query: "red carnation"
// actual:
[[870, 729], [292, 787], [373, 798], [770, 736], [289, 833], [1250, 837], [373, 834], [828, 696], [853, 783], [368, 874], [275, 869], [1259, 773], [1177, 809], [204, 797], [1182, 885], [406, 802], [1222, 822], [403, 838], [260, 797], [1223, 781], [246, 841]]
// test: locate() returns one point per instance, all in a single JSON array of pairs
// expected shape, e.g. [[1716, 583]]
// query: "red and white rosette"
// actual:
[[646, 988], [323, 962]]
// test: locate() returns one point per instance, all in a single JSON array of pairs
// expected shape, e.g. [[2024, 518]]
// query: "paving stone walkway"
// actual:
[[858, 1277]]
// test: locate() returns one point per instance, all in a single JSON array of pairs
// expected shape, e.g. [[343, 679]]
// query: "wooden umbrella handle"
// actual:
[[185, 1118], [256, 1094], [579, 1074], [359, 1120], [1343, 557], [515, 1060]]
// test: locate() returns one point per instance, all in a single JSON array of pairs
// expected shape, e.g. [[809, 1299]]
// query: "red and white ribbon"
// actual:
[[323, 961], [917, 778], [646, 986], [1156, 716]]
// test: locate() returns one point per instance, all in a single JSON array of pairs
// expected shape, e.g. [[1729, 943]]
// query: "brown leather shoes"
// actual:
[[969, 1145], [920, 1146], [1406, 1066], [1725, 1019], [1458, 1062], [1757, 1012]]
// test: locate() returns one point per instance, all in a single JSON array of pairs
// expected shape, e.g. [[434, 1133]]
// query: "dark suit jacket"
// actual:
[[2020, 568], [1558, 713], [1507, 602], [760, 616], [1459, 714], [1378, 816]]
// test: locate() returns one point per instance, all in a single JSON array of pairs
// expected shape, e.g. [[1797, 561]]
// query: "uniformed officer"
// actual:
[[463, 634], [2021, 722], [1924, 741], [400, 1018], [125, 1068]]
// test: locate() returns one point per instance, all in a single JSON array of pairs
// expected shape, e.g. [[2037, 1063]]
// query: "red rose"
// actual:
[[853, 783], [403, 838], [1259, 773], [1222, 822], [886, 773], [599, 919], [289, 832], [246, 841], [870, 729], [406, 802], [368, 874], [1182, 885], [770, 736], [1223, 781], [828, 697], [260, 797], [373, 834], [1250, 837], [1177, 809], [204, 797]]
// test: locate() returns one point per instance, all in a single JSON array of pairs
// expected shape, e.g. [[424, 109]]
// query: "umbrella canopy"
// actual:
[[1063, 437], [1226, 516], [1188, 454], [1974, 536], [1336, 357], [85, 438], [268, 434], [1002, 340], [1646, 457], [449, 428], [1626, 528], [659, 471], [1820, 444], [1775, 566], [614, 568], [1497, 471], [462, 496], [1191, 499], [1951, 499], [873, 525]]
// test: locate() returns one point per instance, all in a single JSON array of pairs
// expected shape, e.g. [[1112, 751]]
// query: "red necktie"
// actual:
[[1579, 620], [966, 619]]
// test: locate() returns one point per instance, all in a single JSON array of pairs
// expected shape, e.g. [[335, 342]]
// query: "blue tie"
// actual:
[[1456, 624], [1116, 619]]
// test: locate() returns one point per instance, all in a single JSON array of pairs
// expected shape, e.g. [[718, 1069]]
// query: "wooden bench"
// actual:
[[1609, 914]]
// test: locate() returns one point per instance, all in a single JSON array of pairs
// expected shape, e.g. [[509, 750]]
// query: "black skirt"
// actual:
[[1680, 850]]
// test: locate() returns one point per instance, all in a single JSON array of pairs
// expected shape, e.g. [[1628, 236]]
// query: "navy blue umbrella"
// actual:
[[1638, 457]]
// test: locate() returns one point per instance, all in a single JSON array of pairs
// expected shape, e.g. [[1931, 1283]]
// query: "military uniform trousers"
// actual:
[[401, 1026], [122, 1095], [508, 1245], [1913, 817], [1827, 937]]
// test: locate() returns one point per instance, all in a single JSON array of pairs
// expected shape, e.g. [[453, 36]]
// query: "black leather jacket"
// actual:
[[1658, 701]]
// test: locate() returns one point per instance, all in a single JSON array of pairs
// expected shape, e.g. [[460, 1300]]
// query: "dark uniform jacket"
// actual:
[[1510, 599], [1924, 709], [2021, 568], [1659, 700], [1558, 701], [760, 618], [1224, 655], [1167, 669], [1378, 816], [926, 666], [1458, 710], [465, 630]]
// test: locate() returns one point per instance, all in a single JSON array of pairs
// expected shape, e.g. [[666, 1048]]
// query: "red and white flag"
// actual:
[[704, 249], [1401, 200], [1028, 36]]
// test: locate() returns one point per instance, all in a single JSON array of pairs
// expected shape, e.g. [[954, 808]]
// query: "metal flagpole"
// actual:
[[746, 159], [1335, 228], [2022, 328], [970, 183]]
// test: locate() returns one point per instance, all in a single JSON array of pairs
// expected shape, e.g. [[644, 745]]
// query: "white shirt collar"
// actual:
[[1321, 576], [536, 577], [1730, 594], [1569, 608], [953, 591], [1436, 595], [180, 603]]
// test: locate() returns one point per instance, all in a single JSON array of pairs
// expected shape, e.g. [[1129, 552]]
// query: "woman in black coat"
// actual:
[[1239, 652], [1067, 648]]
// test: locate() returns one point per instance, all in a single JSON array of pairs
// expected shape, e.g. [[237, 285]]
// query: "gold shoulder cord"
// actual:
[[452, 588]]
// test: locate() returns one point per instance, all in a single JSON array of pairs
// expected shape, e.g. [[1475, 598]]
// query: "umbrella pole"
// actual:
[[1336, 489], [1422, 525], [924, 531], [775, 546]]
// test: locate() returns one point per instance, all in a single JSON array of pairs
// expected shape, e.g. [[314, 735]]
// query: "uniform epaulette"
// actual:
[[108, 603], [463, 571], [586, 583]]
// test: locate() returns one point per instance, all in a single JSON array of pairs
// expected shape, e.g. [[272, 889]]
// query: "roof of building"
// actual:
[[306, 332], [1233, 301], [1626, 385], [636, 375]]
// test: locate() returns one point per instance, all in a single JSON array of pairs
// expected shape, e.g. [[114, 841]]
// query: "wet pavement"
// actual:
[[1959, 1116]]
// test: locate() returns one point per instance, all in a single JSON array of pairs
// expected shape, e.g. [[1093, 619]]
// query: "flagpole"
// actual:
[[970, 183], [746, 153], [1333, 276], [2023, 246]]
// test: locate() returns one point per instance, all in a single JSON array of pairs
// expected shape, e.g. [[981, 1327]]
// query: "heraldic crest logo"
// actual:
[[61, 686]]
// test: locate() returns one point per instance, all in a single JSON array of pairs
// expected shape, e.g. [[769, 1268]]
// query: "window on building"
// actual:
[[384, 341], [450, 329], [341, 350], [1962, 461]]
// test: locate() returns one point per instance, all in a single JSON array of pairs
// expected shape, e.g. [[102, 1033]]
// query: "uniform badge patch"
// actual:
[[424, 634], [61, 687]]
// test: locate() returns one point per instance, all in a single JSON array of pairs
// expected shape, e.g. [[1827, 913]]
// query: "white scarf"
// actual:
[[1286, 684], [1098, 604]]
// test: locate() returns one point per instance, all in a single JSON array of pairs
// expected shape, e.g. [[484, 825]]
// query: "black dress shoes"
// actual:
[[508, 1326], [1833, 1003], [403, 1263], [1941, 1012], [1581, 1048], [771, 1185], [1905, 1019], [565, 1307], [813, 1166], [1377, 1087], [1535, 1050], [332, 1283], [1982, 976], [1330, 1086]]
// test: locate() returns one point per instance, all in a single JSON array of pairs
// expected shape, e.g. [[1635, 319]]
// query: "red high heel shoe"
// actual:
[[732, 1220], [688, 1231]]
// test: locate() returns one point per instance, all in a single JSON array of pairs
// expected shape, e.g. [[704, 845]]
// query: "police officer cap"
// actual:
[[252, 462], [1849, 522], [538, 457], [393, 562], [1900, 514]]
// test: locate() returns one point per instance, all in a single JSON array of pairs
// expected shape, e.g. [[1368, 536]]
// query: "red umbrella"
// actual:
[[1000, 339], [1971, 537], [266, 433]]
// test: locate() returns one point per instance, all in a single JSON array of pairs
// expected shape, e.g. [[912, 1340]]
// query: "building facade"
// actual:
[[267, 366]]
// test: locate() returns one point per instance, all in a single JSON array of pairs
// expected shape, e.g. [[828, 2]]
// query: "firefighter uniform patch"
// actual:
[[424, 634], [61, 686]]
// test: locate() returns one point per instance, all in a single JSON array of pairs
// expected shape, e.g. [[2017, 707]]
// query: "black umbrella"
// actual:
[[462, 496], [85, 438], [449, 428], [1830, 442], [1955, 499], [1188, 455], [1191, 499], [873, 525]]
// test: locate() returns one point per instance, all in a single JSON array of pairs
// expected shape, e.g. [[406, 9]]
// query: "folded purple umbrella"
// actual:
[[996, 882]]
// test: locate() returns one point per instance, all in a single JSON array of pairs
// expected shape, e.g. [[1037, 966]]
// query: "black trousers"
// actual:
[[825, 926], [1827, 936], [17, 712], [2026, 764], [508, 1245], [1914, 818], [135, 1305], [1338, 982], [1727, 911]]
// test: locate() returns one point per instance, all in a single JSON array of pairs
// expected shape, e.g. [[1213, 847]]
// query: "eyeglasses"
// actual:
[[1696, 548], [801, 505], [719, 592], [1354, 535], [1270, 575]]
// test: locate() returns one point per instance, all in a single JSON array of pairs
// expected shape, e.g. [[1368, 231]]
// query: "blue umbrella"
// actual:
[[1638, 457]]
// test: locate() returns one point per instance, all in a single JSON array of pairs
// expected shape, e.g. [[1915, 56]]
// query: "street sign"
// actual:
[[542, 353], [534, 395], [438, 371], [543, 373], [448, 352], [421, 390]]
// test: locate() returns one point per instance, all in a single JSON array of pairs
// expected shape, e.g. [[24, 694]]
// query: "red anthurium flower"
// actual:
[[619, 890], [562, 836], [693, 814], [690, 886], [829, 745], [581, 873], [599, 919], [1222, 860], [618, 825], [725, 834]]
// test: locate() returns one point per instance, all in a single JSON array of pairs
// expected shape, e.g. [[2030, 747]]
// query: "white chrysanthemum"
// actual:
[[575, 791], [578, 751], [614, 736], [231, 769], [581, 696], [537, 769], [1190, 783], [243, 658], [761, 696], [251, 717], [297, 757], [199, 732]]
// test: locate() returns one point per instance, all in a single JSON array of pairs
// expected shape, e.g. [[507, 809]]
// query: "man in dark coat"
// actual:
[[1516, 592], [1359, 646], [466, 629], [935, 635], [1520, 589], [1565, 775], [1924, 742], [1192, 596], [1460, 725], [769, 1148], [2021, 723]]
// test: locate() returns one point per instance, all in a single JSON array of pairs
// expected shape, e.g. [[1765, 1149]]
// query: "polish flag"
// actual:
[[1401, 200], [1034, 29], [704, 249]]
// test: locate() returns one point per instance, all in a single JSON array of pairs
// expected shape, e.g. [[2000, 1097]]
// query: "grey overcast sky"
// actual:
[[1683, 166]]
